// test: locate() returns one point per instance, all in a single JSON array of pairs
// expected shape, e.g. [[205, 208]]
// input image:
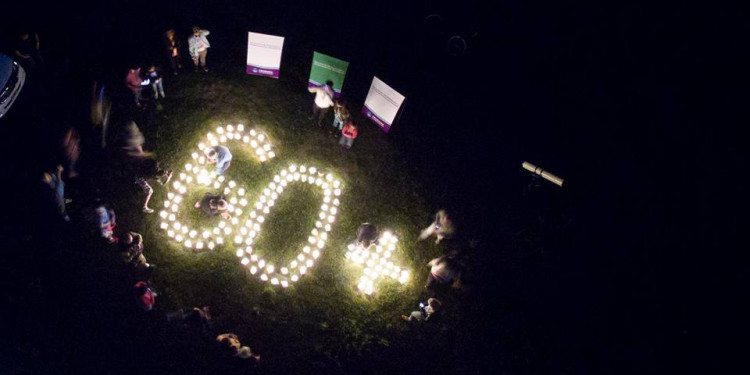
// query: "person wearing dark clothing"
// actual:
[[198, 319], [131, 249], [55, 182], [157, 86], [367, 234], [173, 47], [27, 50], [212, 205]]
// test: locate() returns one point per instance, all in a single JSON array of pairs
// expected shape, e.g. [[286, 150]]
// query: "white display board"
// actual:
[[264, 54], [382, 104]]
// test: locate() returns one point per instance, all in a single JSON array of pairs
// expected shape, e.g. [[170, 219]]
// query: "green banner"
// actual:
[[326, 68]]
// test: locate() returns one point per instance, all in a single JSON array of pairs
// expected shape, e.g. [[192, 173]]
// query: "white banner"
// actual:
[[382, 104], [264, 54]]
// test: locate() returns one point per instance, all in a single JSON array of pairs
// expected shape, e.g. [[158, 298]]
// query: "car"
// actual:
[[12, 78]]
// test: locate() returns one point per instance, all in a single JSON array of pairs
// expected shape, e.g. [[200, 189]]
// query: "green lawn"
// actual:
[[321, 319]]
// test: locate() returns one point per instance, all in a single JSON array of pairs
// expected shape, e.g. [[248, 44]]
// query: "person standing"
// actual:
[[133, 81], [172, 45], [198, 45], [341, 116], [148, 168], [348, 134], [56, 184], [323, 101], [154, 75]]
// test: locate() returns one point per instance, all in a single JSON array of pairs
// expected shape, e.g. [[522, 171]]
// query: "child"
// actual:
[[348, 133], [106, 220], [145, 298], [341, 116], [154, 75]]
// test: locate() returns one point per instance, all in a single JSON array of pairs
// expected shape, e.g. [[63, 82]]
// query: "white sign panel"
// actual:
[[264, 54], [382, 104]]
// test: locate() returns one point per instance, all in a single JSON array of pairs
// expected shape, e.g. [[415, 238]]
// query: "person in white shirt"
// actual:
[[323, 101], [198, 46]]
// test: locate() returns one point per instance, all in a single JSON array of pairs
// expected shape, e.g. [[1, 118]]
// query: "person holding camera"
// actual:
[[425, 311], [442, 227]]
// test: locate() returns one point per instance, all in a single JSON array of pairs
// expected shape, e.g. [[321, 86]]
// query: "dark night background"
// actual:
[[633, 104]]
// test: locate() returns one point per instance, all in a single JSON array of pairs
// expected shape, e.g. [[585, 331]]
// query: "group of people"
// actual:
[[443, 269], [343, 123], [198, 46], [145, 169], [136, 79]]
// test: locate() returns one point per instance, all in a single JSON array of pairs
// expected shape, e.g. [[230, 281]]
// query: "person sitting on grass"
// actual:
[[106, 221], [442, 227], [425, 312], [212, 205], [348, 133], [367, 234], [131, 251], [197, 318], [230, 344], [145, 298], [442, 270], [221, 156]]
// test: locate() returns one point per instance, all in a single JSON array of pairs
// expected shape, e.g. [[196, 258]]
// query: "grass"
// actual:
[[321, 322]]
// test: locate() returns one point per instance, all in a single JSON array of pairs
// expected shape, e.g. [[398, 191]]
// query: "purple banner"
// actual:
[[377, 120], [258, 71]]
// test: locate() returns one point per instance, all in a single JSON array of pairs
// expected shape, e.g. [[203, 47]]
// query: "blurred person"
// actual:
[[425, 311], [442, 227], [341, 116], [26, 49], [56, 183], [132, 140], [231, 345], [323, 101], [367, 234], [213, 204], [172, 45], [219, 155], [70, 144], [134, 83], [198, 46], [348, 134], [154, 75], [442, 270], [148, 168], [145, 297]]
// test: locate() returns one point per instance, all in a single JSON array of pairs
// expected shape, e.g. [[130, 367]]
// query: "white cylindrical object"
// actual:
[[544, 174]]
